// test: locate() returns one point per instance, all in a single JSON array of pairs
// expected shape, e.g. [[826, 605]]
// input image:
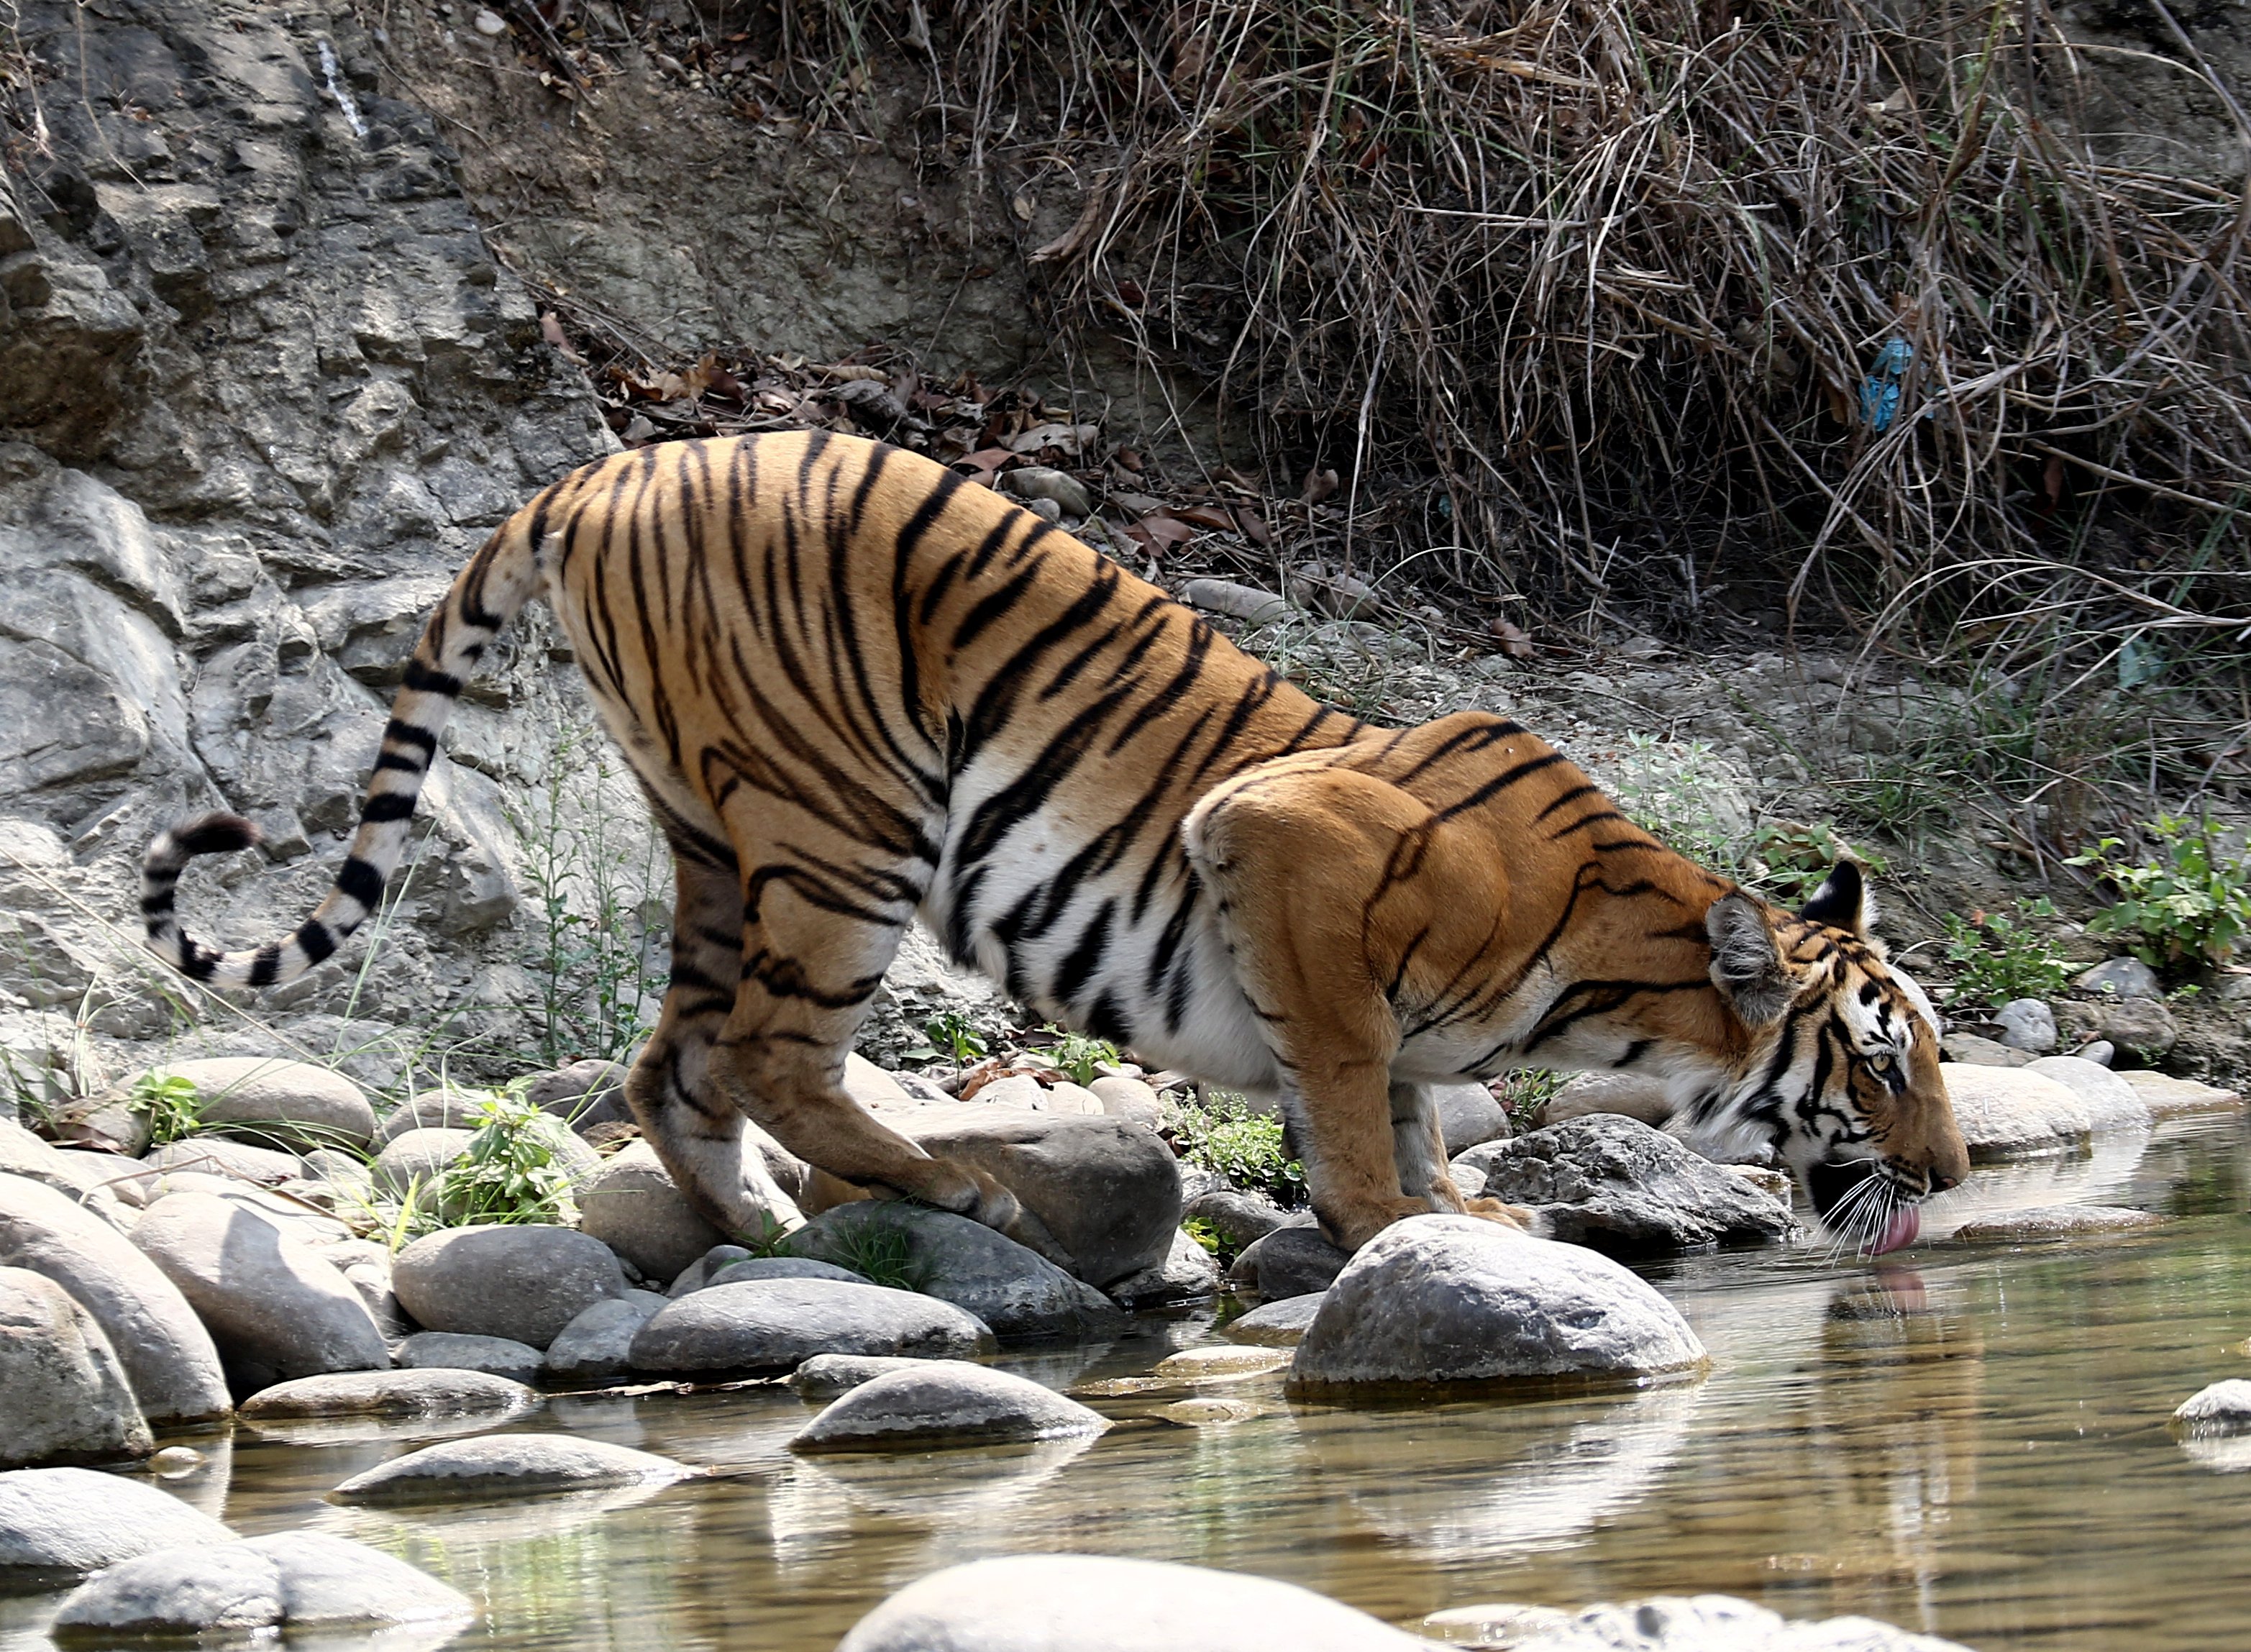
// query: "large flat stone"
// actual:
[[1441, 1299], [169, 1358], [287, 1104], [437, 1392], [2167, 1096], [2013, 1111], [512, 1465], [55, 1521], [2112, 1104], [775, 1325]]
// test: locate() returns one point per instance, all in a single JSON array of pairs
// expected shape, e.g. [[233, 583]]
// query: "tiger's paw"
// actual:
[[1515, 1216]]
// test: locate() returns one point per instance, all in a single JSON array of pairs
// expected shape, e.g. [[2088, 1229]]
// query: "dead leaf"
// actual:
[[843, 371], [1158, 532], [984, 462], [1319, 485], [1516, 641], [551, 330], [1020, 205]]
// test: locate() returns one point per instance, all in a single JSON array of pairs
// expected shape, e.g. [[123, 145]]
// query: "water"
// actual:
[[1968, 1441]]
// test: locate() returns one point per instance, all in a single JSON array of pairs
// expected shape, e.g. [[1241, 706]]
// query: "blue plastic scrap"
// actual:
[[1879, 390]]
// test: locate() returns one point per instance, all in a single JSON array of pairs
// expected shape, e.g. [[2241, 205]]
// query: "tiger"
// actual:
[[856, 687]]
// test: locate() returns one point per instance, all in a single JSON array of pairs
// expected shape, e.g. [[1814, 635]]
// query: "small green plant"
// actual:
[[953, 1035], [171, 1103], [1998, 957], [511, 1170], [1791, 858], [1523, 1092], [2187, 903], [879, 1249], [1220, 1247], [1081, 1056], [1223, 1134]]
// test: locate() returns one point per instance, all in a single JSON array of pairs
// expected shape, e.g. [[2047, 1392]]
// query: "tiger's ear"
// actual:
[[1746, 962], [1844, 901]]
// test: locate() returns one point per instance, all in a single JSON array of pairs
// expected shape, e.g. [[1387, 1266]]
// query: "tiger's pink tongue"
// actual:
[[1898, 1232]]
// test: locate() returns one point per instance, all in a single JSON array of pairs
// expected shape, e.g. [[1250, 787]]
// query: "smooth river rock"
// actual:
[[825, 1376], [1189, 1274], [1241, 1219], [1290, 1262], [2055, 1222], [599, 1344], [632, 1205], [94, 1180], [1014, 1291], [293, 1579], [169, 1358], [2112, 1104], [61, 1521], [1633, 1096], [583, 1094], [273, 1305], [63, 1393], [446, 1393], [511, 1465], [2168, 1097], [1616, 1184], [1220, 1362], [753, 1268], [524, 1282], [1276, 1324], [1468, 1114], [778, 1324], [2013, 1111], [945, 1402], [215, 1156], [290, 1104], [451, 1350], [2221, 1408], [1098, 1603], [1438, 1298]]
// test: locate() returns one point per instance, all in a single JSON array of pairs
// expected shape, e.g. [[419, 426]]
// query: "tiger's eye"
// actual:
[[1882, 1065]]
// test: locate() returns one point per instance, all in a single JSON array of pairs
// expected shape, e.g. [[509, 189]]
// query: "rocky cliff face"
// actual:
[[262, 388]]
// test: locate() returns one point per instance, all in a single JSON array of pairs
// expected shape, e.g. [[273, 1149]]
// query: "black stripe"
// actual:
[[267, 965], [387, 806], [361, 881], [398, 731], [424, 680], [314, 939]]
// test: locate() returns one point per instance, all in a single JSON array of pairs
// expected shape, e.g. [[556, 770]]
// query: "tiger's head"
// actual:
[[1841, 1079]]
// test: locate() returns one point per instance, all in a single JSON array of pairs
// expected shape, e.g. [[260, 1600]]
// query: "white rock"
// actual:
[[1098, 1603], [1220, 1362], [1237, 601], [2027, 1024], [293, 1579], [2167, 1096], [2221, 1408], [945, 1402], [90, 1179], [215, 1156], [2112, 1103], [2012, 1112], [63, 1393], [275, 1308], [1438, 1298], [169, 1358], [70, 1520], [512, 1465]]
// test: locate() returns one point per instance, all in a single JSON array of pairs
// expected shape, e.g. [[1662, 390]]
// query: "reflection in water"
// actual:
[[1967, 1440]]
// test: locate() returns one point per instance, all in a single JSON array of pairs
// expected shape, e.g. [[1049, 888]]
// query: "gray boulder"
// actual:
[[1718, 1623], [1615, 1183], [56, 1522], [1187, 1275], [2007, 1113], [275, 1308], [2027, 1024], [62, 1390], [1438, 1298], [413, 1164], [2143, 1028], [1106, 1190], [583, 1094], [2122, 978], [446, 1391], [169, 1358], [1290, 1262], [599, 1344], [1633, 1096], [1014, 1291], [513, 1465], [1098, 1603], [451, 1350], [215, 1156], [1970, 1050], [1467, 1114], [778, 1324], [825, 1376], [698, 1273], [1276, 1324], [293, 1579], [444, 1108], [524, 1282], [93, 1180], [784, 1267], [946, 1402], [631, 1204], [288, 1104]]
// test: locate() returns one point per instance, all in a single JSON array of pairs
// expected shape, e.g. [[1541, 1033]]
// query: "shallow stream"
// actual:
[[1969, 1441]]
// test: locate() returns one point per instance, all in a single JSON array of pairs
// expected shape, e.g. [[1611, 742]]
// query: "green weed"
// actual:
[[1523, 1092], [879, 1249], [1082, 1057], [1997, 956], [172, 1106], [2187, 903], [509, 1172], [955, 1035], [1222, 1133]]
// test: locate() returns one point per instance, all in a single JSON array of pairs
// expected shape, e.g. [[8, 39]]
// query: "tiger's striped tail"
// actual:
[[486, 595]]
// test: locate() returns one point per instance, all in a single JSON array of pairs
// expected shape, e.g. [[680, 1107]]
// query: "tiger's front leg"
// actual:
[[1320, 875]]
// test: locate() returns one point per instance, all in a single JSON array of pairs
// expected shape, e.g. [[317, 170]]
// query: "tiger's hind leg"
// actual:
[[816, 939], [684, 1112]]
